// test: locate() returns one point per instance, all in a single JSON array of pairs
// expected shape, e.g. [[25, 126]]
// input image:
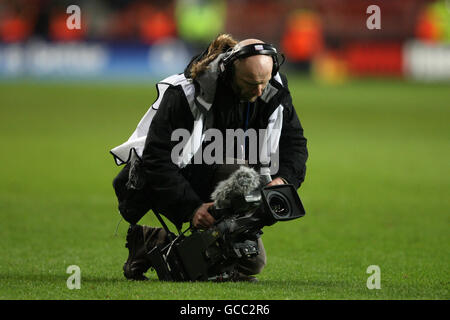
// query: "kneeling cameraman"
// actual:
[[230, 85]]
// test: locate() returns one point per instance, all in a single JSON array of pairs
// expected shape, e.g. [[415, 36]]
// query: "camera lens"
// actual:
[[279, 204]]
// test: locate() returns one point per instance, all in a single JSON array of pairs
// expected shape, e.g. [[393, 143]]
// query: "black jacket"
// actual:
[[175, 192]]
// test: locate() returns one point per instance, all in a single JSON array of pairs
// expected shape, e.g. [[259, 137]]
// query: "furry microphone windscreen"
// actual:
[[241, 182]]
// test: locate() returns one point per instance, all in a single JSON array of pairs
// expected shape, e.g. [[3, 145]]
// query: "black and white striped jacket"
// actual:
[[176, 187]]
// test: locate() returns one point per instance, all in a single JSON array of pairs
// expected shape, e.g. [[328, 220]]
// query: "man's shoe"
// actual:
[[137, 263]]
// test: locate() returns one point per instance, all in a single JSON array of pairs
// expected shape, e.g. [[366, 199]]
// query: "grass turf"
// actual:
[[376, 193]]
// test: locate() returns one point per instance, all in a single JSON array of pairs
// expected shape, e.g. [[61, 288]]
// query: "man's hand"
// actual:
[[275, 182], [202, 219]]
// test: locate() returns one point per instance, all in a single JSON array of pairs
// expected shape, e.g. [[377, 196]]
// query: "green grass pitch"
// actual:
[[376, 193]]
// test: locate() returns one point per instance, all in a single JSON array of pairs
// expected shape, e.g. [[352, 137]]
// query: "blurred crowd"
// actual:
[[118, 20], [148, 21], [305, 30]]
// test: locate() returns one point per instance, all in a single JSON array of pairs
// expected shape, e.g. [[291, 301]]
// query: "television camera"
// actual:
[[241, 209]]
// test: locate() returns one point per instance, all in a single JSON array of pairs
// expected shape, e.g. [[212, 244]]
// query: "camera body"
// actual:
[[213, 253]]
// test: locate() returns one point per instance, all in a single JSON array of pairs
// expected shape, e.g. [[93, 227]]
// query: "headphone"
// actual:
[[226, 64]]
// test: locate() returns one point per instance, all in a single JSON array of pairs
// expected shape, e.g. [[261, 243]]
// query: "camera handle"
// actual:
[[169, 234], [264, 175]]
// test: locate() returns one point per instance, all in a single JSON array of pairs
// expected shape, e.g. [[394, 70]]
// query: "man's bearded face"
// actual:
[[251, 76]]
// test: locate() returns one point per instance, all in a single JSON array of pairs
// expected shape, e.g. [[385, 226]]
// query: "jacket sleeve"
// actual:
[[293, 151], [171, 194]]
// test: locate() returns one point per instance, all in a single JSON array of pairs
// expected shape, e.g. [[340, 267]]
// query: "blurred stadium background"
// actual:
[[327, 39], [374, 105]]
